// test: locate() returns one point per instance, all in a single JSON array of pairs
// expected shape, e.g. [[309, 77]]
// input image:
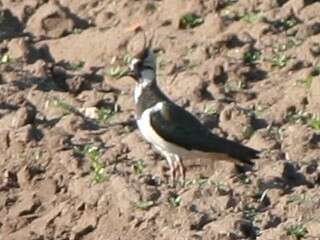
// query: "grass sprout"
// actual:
[[251, 56], [314, 122], [117, 72], [138, 167], [190, 20], [5, 58], [144, 205], [297, 230], [74, 66], [175, 200], [279, 60], [94, 153], [251, 17], [60, 103], [104, 114]]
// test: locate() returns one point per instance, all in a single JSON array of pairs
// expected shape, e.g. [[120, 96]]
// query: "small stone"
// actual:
[[200, 222], [25, 115], [137, 44], [75, 84], [24, 134], [150, 193], [50, 21]]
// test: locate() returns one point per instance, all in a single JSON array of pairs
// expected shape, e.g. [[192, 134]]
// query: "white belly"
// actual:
[[159, 143]]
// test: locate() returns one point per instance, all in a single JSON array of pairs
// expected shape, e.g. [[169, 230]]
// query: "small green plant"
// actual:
[[127, 58], [251, 17], [288, 22], [222, 187], [298, 117], [232, 86], [60, 103], [74, 66], [209, 110], [297, 230], [314, 122], [138, 167], [174, 200], [190, 20], [202, 181], [77, 30], [249, 212], [290, 43], [5, 58], [248, 131], [279, 60], [307, 81], [117, 72], [94, 153], [316, 70], [104, 114], [244, 179], [251, 56], [144, 205]]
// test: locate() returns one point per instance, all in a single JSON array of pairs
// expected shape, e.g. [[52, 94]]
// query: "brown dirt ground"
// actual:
[[70, 173]]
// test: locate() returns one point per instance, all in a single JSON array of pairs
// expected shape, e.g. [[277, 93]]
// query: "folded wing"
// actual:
[[179, 127]]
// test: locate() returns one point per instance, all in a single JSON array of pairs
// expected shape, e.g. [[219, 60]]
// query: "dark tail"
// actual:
[[236, 151], [242, 153]]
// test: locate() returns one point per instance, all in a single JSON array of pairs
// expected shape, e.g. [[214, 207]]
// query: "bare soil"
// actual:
[[73, 164]]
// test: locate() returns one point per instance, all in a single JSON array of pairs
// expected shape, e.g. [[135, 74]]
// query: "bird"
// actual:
[[172, 130]]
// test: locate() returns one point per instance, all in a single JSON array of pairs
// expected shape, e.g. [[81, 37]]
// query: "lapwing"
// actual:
[[173, 131]]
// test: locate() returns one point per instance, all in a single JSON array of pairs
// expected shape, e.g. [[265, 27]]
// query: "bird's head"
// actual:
[[143, 67]]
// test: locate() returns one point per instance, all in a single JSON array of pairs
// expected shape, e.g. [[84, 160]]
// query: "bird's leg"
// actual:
[[172, 167], [181, 169]]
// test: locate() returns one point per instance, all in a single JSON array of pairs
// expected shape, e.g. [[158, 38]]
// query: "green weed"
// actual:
[[249, 212], [77, 30], [307, 81], [288, 22], [5, 58], [251, 56], [290, 43], [144, 205], [248, 132], [117, 72], [60, 103], [127, 58], [190, 20], [316, 70], [74, 66], [251, 17], [222, 187], [244, 179], [174, 200], [279, 60], [104, 114], [138, 167], [297, 230], [210, 110], [314, 122], [94, 153]]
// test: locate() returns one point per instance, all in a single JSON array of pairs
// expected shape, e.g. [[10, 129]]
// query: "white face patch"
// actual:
[[139, 88], [133, 63]]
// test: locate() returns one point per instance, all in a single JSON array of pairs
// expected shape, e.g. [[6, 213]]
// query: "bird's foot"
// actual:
[[181, 171], [172, 180]]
